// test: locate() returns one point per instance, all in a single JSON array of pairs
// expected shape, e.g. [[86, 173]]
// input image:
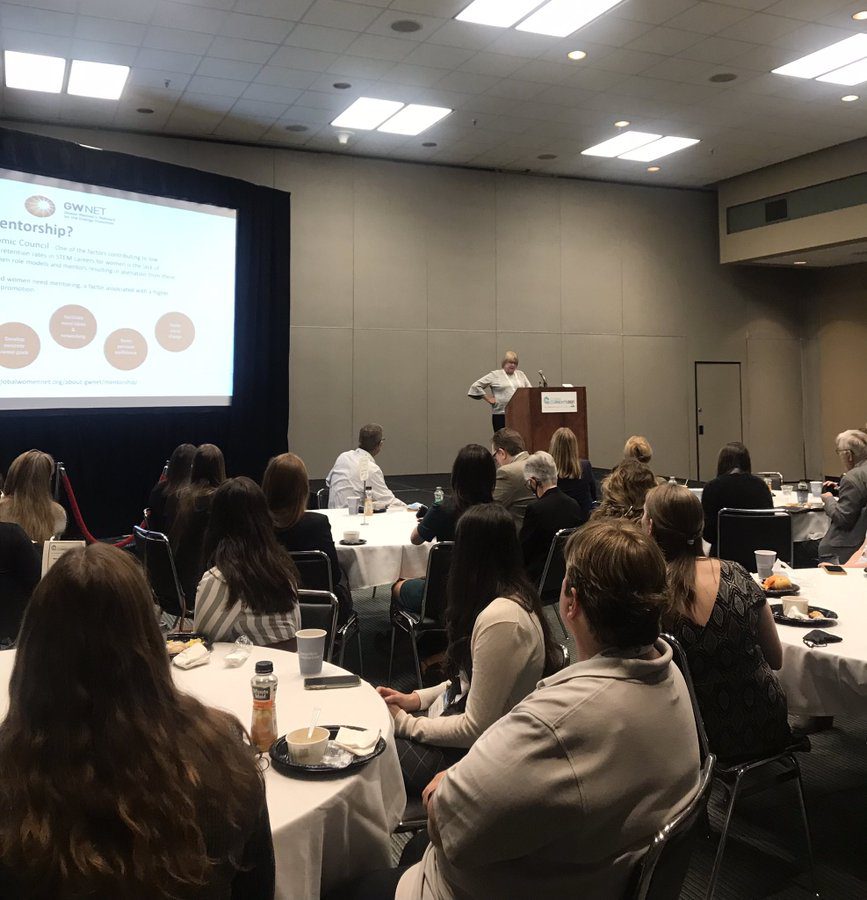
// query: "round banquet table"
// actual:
[[325, 830], [388, 553], [832, 680]]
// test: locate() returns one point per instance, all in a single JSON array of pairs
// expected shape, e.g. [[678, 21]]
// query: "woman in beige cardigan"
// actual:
[[499, 648]]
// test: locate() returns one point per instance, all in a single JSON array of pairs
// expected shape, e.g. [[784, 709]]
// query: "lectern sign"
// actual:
[[559, 401]]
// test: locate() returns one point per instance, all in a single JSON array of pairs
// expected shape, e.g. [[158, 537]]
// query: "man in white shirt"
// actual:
[[355, 469]]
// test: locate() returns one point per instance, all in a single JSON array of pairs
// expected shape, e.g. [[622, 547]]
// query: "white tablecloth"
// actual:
[[832, 680], [325, 830], [388, 553]]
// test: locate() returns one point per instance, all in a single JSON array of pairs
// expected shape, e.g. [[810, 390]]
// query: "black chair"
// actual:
[[322, 498], [314, 567], [430, 617], [319, 610], [554, 571], [740, 532], [153, 549], [776, 479]]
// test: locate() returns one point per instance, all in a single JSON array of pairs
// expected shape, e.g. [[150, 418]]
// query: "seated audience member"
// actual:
[[473, 477], [191, 519], [574, 475], [499, 646], [154, 794], [624, 490], [287, 489], [544, 518], [638, 447], [355, 469], [721, 617], [734, 486], [848, 510], [19, 575], [507, 448], [560, 797], [251, 586], [163, 499], [27, 500]]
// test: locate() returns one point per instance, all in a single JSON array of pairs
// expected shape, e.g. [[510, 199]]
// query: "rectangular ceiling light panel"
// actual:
[[623, 143], [500, 13], [660, 148], [821, 62], [367, 113], [32, 72], [560, 18], [414, 119], [854, 73], [101, 80]]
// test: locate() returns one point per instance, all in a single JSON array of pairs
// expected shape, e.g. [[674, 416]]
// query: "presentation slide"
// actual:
[[113, 299]]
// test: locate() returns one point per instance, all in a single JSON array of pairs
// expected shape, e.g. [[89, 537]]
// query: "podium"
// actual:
[[538, 412]]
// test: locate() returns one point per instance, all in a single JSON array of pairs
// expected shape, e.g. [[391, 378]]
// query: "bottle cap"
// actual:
[[265, 667]]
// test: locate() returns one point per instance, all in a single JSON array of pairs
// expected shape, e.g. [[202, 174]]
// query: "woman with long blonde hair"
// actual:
[[574, 475], [27, 499]]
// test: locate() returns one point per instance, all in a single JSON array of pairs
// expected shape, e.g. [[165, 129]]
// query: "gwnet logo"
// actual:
[[39, 206]]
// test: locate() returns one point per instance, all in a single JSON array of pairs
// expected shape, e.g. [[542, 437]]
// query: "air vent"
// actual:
[[776, 210]]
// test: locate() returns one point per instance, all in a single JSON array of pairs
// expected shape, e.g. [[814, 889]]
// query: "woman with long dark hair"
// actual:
[[722, 618], [27, 500], [474, 475], [287, 489], [163, 499], [251, 586], [499, 646], [115, 783]]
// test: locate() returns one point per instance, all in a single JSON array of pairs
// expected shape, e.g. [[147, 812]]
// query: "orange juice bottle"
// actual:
[[263, 730]]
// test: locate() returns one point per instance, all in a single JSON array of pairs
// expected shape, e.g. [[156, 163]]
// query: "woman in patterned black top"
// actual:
[[721, 617]]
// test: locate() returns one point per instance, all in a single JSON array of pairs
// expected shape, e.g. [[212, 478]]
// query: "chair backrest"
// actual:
[[319, 610], [678, 654], [555, 566], [563, 662], [740, 532], [663, 868], [439, 563], [155, 553], [776, 479], [322, 498], [314, 567]]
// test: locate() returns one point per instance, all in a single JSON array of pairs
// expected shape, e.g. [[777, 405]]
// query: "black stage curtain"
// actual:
[[114, 457]]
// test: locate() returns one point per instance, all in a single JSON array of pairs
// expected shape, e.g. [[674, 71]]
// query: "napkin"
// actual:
[[358, 742], [197, 655]]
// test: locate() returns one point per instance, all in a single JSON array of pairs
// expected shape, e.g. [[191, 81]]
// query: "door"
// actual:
[[718, 412]]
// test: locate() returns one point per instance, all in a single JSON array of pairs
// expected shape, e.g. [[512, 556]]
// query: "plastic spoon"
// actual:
[[314, 722]]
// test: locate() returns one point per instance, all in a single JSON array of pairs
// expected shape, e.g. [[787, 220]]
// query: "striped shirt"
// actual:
[[221, 623]]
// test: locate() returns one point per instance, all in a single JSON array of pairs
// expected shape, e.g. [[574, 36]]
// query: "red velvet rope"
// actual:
[[76, 513]]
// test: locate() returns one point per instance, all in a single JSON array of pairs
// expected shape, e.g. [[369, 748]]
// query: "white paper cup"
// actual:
[[305, 750], [816, 488], [765, 560], [790, 603], [351, 537], [311, 648]]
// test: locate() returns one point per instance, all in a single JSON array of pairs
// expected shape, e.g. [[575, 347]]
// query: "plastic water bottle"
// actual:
[[368, 503], [803, 491], [672, 479], [263, 730], [439, 496]]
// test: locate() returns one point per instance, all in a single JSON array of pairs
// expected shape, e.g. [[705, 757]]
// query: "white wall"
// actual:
[[409, 281]]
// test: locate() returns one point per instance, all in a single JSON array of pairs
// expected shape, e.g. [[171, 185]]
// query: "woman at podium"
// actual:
[[497, 387]]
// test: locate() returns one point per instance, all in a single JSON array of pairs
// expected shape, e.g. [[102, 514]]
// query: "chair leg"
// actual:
[[391, 655], [806, 822], [415, 659], [373, 595], [360, 658], [720, 850], [342, 651], [562, 626]]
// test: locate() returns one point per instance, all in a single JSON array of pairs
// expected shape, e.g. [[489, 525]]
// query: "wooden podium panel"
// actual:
[[526, 412]]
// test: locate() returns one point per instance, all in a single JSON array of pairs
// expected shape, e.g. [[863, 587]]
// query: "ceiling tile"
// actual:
[[610, 31], [808, 38], [166, 59], [256, 28], [339, 14], [125, 10], [545, 72], [97, 51], [189, 18], [418, 76], [466, 35], [299, 58], [176, 39], [31, 19], [438, 56], [760, 28], [238, 48], [498, 64], [358, 67], [808, 10], [716, 50], [629, 62], [259, 108], [92, 29], [313, 37], [665, 40], [655, 12], [221, 87], [467, 82], [290, 78], [515, 89], [375, 46], [275, 9], [32, 42], [272, 93], [707, 18], [429, 25], [228, 68]]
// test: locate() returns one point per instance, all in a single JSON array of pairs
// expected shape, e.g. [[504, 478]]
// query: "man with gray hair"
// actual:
[[355, 469], [848, 510], [551, 511]]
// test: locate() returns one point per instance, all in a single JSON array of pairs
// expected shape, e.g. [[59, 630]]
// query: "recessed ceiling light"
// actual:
[[429, 144], [414, 119], [577, 55], [849, 98], [653, 168], [33, 72], [406, 26], [500, 13], [722, 77], [104, 81], [829, 59], [860, 16], [367, 113], [144, 110], [622, 123], [560, 18], [341, 85], [623, 143], [800, 262], [663, 147]]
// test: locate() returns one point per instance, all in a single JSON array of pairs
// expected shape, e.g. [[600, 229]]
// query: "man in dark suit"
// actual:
[[552, 511]]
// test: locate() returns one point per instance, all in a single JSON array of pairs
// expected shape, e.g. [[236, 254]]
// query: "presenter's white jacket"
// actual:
[[501, 385], [346, 480]]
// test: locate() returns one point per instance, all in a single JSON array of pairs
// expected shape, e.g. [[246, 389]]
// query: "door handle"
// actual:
[[701, 429]]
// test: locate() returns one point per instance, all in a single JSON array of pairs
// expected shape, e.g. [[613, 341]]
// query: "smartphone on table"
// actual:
[[835, 570], [329, 682]]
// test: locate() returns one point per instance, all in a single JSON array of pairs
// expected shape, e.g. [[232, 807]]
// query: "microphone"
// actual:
[[544, 382]]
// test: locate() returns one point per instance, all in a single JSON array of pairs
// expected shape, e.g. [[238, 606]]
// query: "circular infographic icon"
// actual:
[[19, 345], [39, 206], [126, 349], [174, 331], [73, 326]]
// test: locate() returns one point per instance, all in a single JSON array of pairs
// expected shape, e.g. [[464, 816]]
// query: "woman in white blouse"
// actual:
[[498, 387]]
